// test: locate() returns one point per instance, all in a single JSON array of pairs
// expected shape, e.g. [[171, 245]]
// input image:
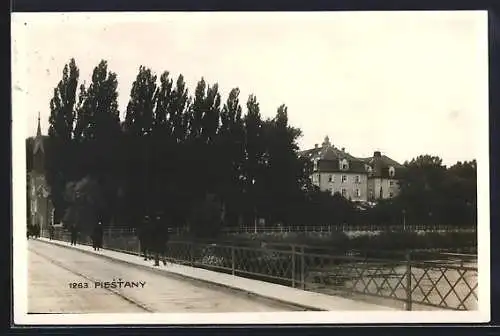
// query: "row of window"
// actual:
[[344, 178], [343, 192], [371, 194], [344, 165], [357, 192], [357, 178]]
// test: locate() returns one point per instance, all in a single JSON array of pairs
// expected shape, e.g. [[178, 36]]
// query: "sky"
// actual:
[[403, 83]]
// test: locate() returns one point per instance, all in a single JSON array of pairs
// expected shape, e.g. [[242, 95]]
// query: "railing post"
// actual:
[[232, 259], [293, 266], [408, 281], [302, 268]]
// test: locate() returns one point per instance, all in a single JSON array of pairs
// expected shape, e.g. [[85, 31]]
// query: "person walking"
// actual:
[[155, 239], [51, 232], [159, 239], [93, 236], [74, 234], [145, 237], [99, 233], [37, 230], [29, 231]]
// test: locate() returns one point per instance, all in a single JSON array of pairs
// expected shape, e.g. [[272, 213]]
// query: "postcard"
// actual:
[[250, 168]]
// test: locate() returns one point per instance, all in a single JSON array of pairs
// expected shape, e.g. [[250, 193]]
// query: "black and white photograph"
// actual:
[[247, 168]]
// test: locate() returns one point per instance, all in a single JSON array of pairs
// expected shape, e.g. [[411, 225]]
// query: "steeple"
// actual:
[[38, 144], [38, 130]]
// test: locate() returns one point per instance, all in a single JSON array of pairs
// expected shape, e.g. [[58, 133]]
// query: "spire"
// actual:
[[38, 139], [38, 130]]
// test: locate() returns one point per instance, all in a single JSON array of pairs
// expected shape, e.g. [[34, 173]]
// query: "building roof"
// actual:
[[34, 144], [383, 159], [330, 153], [329, 158], [381, 163]]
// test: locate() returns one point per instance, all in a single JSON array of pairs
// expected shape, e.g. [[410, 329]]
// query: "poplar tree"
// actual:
[[138, 125], [254, 156], [284, 169], [60, 158], [97, 137]]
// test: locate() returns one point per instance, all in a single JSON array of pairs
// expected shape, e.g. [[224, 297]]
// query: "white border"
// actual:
[[21, 111]]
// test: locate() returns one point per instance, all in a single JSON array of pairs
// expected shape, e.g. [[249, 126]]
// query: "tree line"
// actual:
[[431, 193], [198, 160]]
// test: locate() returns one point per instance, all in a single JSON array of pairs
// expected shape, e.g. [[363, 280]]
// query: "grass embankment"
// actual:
[[456, 242]]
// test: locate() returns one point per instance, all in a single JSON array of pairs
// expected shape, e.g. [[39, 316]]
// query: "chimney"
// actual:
[[326, 143], [343, 149], [315, 145], [377, 154]]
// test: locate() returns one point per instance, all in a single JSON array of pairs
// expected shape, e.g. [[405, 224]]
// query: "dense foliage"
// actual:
[[431, 194], [203, 161]]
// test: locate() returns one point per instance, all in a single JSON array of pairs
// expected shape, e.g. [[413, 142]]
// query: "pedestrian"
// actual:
[[98, 235], [93, 236], [144, 237], [74, 234], [51, 231], [29, 230], [37, 230], [159, 239]]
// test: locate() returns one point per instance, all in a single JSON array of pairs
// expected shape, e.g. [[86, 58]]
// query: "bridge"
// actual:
[[76, 279]]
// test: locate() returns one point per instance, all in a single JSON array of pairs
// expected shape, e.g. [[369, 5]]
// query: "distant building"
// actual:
[[357, 179], [337, 171], [383, 177], [40, 208]]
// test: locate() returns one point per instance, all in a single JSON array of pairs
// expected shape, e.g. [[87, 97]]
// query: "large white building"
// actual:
[[357, 179]]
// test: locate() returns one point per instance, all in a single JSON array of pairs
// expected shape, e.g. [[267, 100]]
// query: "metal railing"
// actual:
[[411, 280], [347, 228]]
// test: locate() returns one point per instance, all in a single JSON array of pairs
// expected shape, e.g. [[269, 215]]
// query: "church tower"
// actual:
[[39, 196], [38, 150]]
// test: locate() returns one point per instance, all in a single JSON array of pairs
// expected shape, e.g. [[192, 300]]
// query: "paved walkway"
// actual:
[[68, 281], [297, 297]]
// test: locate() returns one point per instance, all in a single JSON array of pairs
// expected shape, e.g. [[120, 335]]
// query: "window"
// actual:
[[315, 164], [391, 171], [330, 178], [358, 193], [315, 178], [344, 178], [344, 165], [344, 192], [357, 179], [391, 183], [391, 194]]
